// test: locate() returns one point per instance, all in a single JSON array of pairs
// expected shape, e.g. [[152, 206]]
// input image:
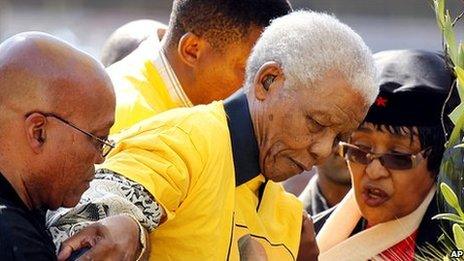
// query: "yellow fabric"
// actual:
[[277, 222], [141, 90], [189, 170]]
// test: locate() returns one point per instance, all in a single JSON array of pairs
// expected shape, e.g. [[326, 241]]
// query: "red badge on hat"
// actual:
[[381, 102]]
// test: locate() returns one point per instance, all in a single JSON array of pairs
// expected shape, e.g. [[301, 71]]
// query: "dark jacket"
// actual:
[[23, 235]]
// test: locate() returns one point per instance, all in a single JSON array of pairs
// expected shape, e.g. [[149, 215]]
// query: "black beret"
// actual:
[[414, 85]]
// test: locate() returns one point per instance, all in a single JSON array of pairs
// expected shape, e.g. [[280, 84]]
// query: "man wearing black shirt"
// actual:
[[22, 231], [57, 106]]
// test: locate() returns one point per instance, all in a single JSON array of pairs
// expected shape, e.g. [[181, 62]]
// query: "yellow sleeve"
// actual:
[[165, 161], [128, 114], [132, 104]]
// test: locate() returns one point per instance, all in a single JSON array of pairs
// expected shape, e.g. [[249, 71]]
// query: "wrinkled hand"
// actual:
[[308, 247], [251, 249], [112, 238]]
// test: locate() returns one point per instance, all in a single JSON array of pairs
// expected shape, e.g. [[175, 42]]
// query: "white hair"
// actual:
[[307, 45]]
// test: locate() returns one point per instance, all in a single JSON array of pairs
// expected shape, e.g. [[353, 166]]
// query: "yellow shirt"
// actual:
[[275, 221], [145, 85], [185, 159], [174, 158]]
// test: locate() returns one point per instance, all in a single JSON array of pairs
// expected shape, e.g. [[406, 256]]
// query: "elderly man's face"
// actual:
[[303, 124]]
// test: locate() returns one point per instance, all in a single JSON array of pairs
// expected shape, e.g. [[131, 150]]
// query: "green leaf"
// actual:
[[449, 216], [439, 6], [456, 132], [460, 75], [460, 62], [458, 236], [450, 37], [451, 198], [457, 112]]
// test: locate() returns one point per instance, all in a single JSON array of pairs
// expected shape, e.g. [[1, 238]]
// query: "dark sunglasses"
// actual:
[[104, 146], [395, 161]]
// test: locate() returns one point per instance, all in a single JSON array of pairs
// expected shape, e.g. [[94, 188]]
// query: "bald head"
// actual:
[[54, 100], [128, 37], [38, 71]]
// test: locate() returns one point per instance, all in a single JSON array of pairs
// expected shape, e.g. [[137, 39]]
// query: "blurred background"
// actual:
[[384, 24]]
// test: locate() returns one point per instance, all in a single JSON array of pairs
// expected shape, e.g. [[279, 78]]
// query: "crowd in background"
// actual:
[[179, 144]]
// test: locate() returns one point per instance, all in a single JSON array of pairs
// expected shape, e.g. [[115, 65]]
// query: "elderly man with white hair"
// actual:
[[202, 178]]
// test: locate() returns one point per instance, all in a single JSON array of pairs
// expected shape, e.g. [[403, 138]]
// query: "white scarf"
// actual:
[[334, 239]]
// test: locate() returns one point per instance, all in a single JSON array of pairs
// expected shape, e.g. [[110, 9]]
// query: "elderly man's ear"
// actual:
[[269, 79], [35, 131]]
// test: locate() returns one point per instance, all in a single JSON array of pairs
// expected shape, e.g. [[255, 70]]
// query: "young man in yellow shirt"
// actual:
[[201, 57], [206, 176]]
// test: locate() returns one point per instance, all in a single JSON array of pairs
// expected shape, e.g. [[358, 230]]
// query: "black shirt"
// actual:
[[23, 235], [245, 148]]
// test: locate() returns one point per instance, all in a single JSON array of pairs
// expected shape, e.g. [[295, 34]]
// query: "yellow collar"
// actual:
[[152, 48]]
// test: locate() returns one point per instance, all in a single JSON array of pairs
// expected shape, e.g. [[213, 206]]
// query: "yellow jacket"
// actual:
[[145, 85], [274, 221], [191, 161]]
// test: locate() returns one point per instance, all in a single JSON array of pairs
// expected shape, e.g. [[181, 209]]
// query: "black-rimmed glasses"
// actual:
[[395, 161], [105, 145]]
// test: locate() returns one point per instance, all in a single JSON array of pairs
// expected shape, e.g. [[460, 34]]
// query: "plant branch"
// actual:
[[458, 17]]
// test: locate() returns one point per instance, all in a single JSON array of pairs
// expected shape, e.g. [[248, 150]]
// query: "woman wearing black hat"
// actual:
[[394, 159]]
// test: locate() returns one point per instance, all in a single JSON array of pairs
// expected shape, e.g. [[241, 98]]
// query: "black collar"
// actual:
[[244, 145], [10, 197]]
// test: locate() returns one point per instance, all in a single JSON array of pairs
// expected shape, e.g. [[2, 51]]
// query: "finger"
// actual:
[[103, 250], [65, 253], [78, 241], [84, 238], [308, 225], [70, 248]]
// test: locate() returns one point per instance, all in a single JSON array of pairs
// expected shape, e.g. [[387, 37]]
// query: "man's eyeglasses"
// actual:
[[395, 161], [104, 145]]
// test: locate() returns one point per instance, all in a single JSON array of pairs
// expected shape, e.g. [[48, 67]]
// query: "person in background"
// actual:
[[394, 159], [328, 186], [200, 179], [128, 37], [57, 106], [200, 59]]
